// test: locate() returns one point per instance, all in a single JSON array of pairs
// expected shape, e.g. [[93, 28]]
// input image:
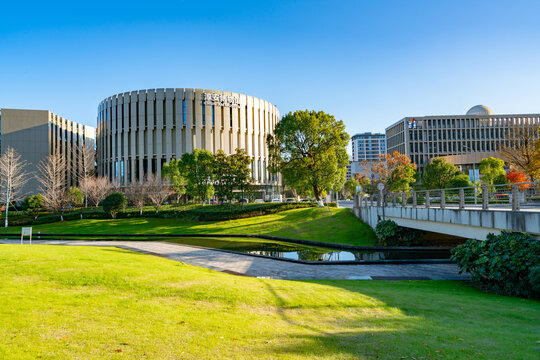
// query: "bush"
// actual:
[[32, 203], [74, 197], [114, 203], [508, 263], [391, 234]]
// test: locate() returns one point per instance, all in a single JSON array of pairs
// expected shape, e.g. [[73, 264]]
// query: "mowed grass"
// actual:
[[59, 302], [316, 224]]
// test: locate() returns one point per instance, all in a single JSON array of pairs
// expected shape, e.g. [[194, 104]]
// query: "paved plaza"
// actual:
[[240, 264]]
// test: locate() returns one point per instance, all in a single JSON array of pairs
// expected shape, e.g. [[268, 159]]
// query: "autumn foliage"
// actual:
[[516, 177]]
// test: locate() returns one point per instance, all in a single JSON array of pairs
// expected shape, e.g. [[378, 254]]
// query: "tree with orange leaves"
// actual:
[[516, 177], [395, 170]]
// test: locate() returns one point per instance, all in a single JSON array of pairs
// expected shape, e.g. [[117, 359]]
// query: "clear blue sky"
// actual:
[[369, 63]]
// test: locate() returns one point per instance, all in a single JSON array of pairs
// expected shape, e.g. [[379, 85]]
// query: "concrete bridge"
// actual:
[[468, 221]]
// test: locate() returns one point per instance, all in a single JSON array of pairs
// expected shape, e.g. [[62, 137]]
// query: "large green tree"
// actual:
[[197, 168], [243, 180], [173, 172], [232, 172], [438, 173], [491, 168], [309, 148]]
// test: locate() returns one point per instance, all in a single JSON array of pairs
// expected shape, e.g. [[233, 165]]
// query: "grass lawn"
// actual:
[[61, 302], [316, 224]]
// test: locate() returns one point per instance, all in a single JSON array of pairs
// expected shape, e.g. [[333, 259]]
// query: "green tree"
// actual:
[[114, 203], [459, 181], [309, 149], [490, 168], [243, 180], [172, 171], [224, 175], [438, 173], [401, 178], [197, 168], [350, 186], [74, 197], [33, 203]]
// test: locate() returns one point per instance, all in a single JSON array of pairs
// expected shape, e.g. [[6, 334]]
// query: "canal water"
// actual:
[[277, 249]]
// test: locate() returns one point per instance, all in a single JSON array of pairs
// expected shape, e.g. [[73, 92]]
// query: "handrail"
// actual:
[[515, 194]]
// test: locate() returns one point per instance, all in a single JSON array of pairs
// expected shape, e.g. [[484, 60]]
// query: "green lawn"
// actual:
[[60, 302], [316, 224]]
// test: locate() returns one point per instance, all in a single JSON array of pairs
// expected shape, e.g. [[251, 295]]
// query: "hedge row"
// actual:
[[508, 263], [198, 213]]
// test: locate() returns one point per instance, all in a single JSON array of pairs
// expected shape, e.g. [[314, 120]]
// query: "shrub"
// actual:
[[74, 197], [508, 263], [114, 203], [32, 203], [391, 234]]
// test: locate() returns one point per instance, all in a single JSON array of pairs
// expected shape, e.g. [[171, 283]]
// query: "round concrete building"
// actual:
[[139, 131]]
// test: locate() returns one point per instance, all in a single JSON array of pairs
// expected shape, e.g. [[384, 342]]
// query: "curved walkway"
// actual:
[[240, 264]]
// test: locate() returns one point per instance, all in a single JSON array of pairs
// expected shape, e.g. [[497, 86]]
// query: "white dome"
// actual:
[[479, 110]]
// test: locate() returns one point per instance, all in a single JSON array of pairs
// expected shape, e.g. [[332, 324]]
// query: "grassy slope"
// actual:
[[85, 302], [317, 224]]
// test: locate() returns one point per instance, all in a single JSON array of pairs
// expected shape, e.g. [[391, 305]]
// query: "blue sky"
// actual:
[[368, 63]]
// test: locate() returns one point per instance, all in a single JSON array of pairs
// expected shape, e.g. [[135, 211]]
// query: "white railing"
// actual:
[[516, 197]]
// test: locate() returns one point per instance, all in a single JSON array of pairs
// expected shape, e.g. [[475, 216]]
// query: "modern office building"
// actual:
[[478, 132], [367, 146], [138, 131], [36, 134]]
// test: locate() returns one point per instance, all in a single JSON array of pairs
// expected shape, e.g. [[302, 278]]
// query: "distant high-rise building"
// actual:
[[368, 146], [478, 132]]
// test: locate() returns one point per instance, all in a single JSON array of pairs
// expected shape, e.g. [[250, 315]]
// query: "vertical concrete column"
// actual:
[[179, 99], [427, 204], [235, 128], [515, 198], [197, 111], [461, 198], [226, 112], [394, 199], [189, 97], [114, 140], [150, 98], [169, 125], [403, 199], [243, 126], [254, 138], [208, 126], [158, 139], [125, 130], [142, 131], [443, 199], [134, 132], [218, 126], [413, 199], [485, 197]]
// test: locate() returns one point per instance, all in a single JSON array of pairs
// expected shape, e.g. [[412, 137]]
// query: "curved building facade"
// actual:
[[139, 131]]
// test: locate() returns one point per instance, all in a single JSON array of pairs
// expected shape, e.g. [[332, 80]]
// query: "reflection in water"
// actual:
[[284, 250]]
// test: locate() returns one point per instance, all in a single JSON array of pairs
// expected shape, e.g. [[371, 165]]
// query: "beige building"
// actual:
[[138, 131], [35, 134], [478, 132]]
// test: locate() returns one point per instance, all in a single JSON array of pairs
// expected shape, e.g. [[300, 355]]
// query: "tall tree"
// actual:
[[224, 175], [395, 170], [243, 180], [198, 169], [13, 177], [137, 193], [52, 178], [490, 168], [438, 173], [309, 149], [85, 167], [98, 188], [172, 171], [520, 149], [157, 191]]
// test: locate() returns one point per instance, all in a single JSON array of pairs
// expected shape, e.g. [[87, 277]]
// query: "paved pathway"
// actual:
[[269, 268]]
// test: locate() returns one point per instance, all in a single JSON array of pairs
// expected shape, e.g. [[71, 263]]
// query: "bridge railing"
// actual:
[[515, 196]]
